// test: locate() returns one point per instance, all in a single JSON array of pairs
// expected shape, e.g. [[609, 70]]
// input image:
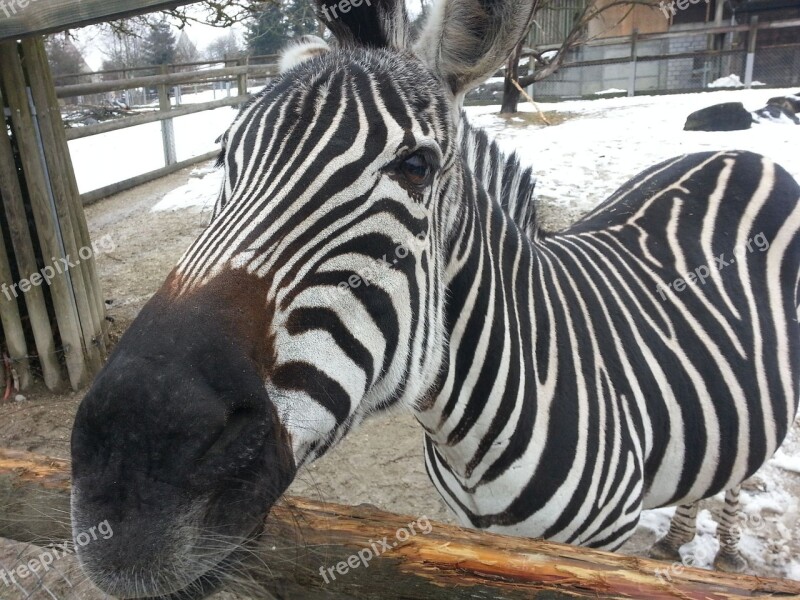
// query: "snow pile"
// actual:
[[732, 81], [610, 91], [200, 193], [727, 82]]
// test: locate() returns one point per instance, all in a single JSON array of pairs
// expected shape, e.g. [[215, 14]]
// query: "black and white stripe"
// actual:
[[575, 396]]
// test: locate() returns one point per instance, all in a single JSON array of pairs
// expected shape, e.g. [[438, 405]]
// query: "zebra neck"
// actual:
[[482, 384]]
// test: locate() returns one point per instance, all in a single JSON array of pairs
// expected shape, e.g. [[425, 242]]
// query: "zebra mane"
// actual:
[[501, 175]]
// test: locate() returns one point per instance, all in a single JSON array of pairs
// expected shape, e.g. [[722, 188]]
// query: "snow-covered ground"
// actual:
[[579, 162], [101, 160], [104, 159], [584, 159]]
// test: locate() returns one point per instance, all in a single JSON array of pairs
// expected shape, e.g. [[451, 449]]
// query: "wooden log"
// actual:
[[35, 50], [20, 234], [29, 17], [56, 152], [26, 133], [10, 318], [303, 536]]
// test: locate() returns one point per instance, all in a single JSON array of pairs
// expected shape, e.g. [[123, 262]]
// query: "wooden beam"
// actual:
[[101, 87], [447, 562], [22, 18], [76, 133]]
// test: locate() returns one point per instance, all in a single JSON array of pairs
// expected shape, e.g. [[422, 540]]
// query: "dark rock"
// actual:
[[729, 116]]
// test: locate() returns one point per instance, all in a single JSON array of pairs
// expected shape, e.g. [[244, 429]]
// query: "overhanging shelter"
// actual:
[[52, 311]]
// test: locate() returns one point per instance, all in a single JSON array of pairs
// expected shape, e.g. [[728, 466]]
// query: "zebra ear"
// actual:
[[300, 50], [465, 41], [374, 23]]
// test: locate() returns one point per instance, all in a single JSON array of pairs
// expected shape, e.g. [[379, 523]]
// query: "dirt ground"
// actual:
[[380, 464]]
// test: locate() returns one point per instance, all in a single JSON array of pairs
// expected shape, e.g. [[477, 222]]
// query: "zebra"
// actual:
[[559, 394]]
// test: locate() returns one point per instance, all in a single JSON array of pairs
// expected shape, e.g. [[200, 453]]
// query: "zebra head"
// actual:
[[314, 297]]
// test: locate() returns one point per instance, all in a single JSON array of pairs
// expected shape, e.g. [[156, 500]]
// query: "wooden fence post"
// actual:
[[40, 196], [242, 62], [64, 272], [70, 218], [22, 245], [167, 125], [632, 80], [12, 323]]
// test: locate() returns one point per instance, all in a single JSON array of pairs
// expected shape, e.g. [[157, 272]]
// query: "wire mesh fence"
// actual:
[[681, 61]]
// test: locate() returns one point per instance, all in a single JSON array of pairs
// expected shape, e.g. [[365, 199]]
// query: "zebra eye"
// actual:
[[415, 170]]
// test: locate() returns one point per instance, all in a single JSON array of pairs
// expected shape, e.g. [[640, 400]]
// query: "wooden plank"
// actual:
[[31, 17], [440, 561], [48, 117], [20, 233], [115, 188], [39, 196], [13, 333], [101, 87], [76, 133], [36, 50]]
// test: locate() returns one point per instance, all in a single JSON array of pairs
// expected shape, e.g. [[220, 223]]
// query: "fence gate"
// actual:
[[51, 308]]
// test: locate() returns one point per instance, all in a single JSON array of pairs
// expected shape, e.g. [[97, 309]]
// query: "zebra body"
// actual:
[[577, 391], [370, 250]]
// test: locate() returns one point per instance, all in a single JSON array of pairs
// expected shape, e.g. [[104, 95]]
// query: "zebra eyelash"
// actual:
[[397, 170]]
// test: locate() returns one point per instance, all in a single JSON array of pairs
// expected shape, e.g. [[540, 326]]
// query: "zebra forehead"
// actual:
[[399, 82]]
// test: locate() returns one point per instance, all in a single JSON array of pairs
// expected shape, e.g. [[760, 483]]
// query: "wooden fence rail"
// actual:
[[165, 114], [254, 60], [170, 79], [304, 538]]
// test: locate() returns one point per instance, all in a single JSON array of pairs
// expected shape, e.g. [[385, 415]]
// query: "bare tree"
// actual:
[[225, 47], [576, 37]]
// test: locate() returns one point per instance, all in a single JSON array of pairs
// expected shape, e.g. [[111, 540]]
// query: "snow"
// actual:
[[104, 159], [200, 193], [549, 55], [786, 462], [731, 81], [610, 91], [607, 141], [768, 521]]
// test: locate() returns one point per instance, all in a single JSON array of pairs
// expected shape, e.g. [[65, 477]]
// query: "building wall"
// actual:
[[616, 21]]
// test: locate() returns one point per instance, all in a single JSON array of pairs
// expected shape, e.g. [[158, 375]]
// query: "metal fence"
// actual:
[[681, 61]]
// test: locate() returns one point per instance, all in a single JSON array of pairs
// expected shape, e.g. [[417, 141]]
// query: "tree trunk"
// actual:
[[305, 539], [510, 92]]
